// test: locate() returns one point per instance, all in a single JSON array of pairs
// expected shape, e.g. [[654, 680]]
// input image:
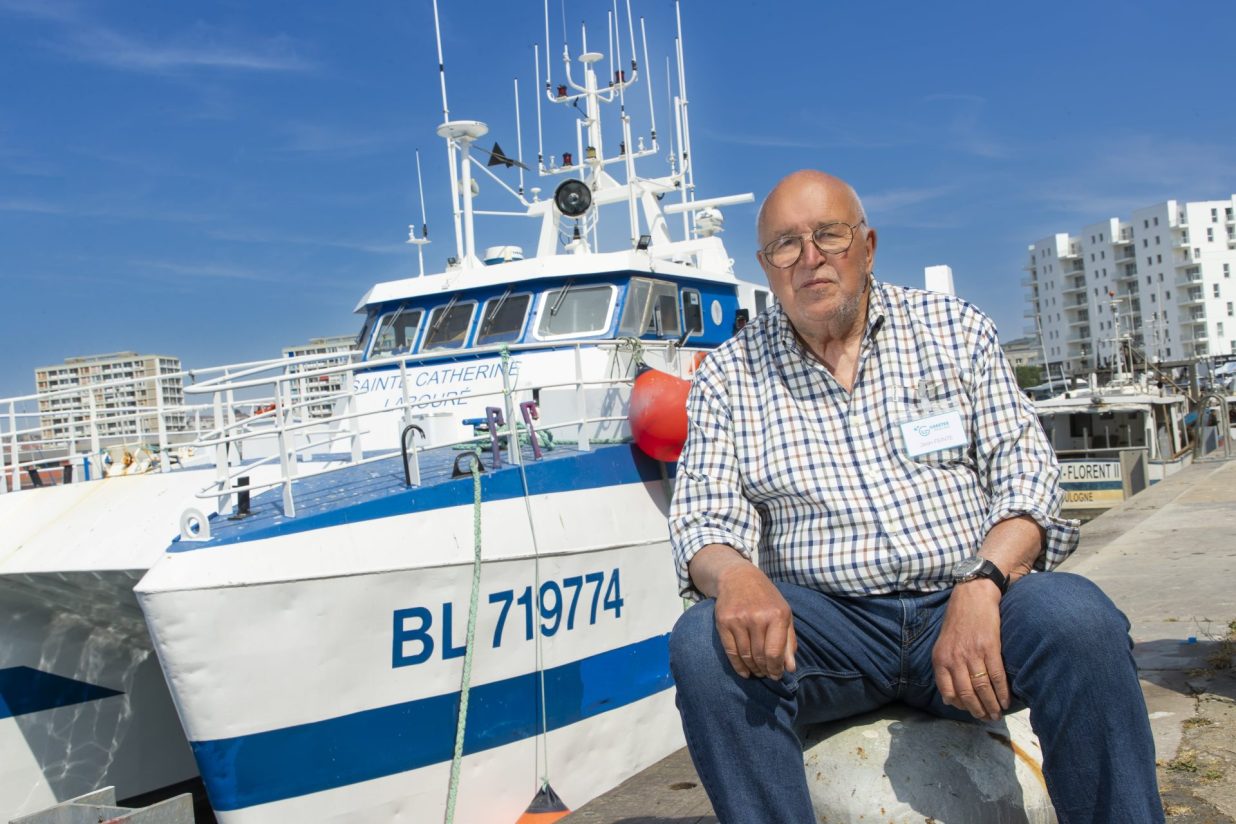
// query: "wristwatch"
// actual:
[[976, 567]]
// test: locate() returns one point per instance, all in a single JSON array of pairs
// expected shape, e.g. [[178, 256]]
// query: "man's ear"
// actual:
[[871, 248]]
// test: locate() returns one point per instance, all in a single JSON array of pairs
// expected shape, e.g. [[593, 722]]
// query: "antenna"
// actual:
[[687, 165], [519, 140], [547, 51], [424, 238], [450, 145], [540, 140], [652, 112], [669, 101]]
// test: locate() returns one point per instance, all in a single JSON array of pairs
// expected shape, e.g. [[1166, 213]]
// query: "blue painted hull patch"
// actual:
[[308, 758], [24, 690]]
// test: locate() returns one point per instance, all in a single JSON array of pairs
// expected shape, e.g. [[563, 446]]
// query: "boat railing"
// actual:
[[83, 424], [288, 417]]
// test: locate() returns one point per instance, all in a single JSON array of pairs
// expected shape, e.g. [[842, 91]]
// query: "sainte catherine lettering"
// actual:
[[436, 377]]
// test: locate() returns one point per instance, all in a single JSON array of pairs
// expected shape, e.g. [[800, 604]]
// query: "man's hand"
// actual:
[[753, 619], [754, 623], [968, 666]]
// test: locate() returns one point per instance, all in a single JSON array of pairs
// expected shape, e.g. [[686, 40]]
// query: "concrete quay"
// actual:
[[1167, 557]]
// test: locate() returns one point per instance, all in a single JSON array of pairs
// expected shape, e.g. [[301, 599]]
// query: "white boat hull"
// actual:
[[318, 673]]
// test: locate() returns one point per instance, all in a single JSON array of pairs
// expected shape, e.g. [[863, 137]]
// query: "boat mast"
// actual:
[[452, 163]]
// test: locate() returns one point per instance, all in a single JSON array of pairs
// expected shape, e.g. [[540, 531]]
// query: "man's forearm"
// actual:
[[1013, 545], [710, 563]]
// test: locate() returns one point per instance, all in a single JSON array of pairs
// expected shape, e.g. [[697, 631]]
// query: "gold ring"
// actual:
[[974, 675]]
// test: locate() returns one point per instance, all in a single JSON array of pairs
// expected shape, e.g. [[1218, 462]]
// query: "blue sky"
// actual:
[[216, 180]]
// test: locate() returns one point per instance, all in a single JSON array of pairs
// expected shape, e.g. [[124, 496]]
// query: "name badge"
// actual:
[[931, 433]]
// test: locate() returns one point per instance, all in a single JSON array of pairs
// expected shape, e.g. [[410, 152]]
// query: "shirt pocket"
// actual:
[[903, 408]]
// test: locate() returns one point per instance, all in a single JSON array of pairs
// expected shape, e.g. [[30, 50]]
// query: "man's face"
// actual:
[[821, 294]]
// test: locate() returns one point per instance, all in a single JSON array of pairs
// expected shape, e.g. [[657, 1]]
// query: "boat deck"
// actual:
[[376, 489]]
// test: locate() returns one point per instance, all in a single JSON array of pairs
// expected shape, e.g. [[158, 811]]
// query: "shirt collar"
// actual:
[[877, 307]]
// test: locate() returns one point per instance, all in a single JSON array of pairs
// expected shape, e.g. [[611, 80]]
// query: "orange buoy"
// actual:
[[658, 414], [546, 806]]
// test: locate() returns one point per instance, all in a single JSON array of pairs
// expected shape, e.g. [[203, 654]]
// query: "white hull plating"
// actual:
[[317, 673]]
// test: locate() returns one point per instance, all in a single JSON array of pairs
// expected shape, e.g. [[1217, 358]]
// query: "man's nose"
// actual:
[[811, 257]]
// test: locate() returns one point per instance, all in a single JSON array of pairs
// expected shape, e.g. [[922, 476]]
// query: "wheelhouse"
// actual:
[[598, 307]]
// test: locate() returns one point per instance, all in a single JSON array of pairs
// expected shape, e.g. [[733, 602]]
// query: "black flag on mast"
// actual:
[[498, 158]]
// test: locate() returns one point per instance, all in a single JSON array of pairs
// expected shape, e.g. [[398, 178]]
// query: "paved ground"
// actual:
[[1167, 557]]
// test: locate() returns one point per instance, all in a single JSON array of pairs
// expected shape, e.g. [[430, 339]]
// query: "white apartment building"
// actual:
[[322, 386], [123, 388], [1162, 278]]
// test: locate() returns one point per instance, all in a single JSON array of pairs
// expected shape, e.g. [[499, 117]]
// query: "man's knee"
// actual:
[[1066, 611], [694, 650]]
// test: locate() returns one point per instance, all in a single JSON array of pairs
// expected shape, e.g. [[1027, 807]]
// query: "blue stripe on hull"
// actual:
[[25, 690], [1087, 485], [286, 763]]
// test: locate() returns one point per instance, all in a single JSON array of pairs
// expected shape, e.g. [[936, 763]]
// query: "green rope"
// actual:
[[466, 681]]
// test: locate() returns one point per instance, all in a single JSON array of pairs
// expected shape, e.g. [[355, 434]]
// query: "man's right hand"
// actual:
[[753, 620]]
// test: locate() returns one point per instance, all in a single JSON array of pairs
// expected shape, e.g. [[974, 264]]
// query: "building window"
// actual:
[[1156, 240], [1210, 233], [1227, 270], [1159, 259], [1156, 221], [1219, 328], [1216, 289], [1145, 242], [1145, 224], [1229, 309], [1214, 215], [1152, 296]]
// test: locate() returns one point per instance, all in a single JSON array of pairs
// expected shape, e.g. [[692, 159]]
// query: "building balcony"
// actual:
[[1193, 297], [1028, 280], [1078, 286]]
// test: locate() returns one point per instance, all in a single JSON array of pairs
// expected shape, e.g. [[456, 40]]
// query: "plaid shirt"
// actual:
[[785, 466]]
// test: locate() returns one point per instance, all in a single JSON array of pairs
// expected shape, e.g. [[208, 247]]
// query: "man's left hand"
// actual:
[[966, 658]]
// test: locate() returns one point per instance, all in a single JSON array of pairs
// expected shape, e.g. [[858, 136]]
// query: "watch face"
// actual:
[[967, 568]]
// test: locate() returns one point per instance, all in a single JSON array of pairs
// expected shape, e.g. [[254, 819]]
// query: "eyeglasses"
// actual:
[[830, 239]]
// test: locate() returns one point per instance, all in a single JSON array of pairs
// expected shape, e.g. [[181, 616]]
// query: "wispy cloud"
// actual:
[[31, 206], [957, 119], [823, 136], [895, 199], [1116, 175], [40, 206], [264, 237], [202, 46], [313, 138], [211, 271]]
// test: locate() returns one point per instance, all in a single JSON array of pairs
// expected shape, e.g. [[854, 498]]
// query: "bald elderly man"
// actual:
[[867, 511]]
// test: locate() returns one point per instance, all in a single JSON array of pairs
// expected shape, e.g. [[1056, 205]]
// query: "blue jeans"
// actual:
[[1066, 651]]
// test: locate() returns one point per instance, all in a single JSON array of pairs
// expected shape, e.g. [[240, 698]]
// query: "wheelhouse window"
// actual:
[[651, 309], [448, 325], [396, 333], [502, 319], [575, 310]]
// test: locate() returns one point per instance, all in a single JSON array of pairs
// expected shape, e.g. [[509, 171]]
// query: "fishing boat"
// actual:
[[454, 594]]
